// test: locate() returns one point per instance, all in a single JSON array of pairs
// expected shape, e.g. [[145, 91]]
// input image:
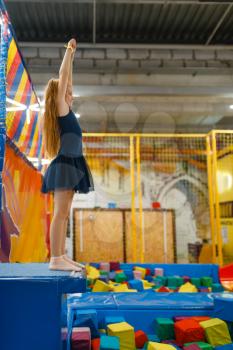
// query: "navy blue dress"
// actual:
[[69, 170]]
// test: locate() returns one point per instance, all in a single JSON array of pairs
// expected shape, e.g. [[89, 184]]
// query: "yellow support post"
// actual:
[[211, 200], [217, 210], [133, 210], [141, 245]]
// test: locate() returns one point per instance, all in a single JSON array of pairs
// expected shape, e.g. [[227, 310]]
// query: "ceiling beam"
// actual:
[[129, 46], [218, 25], [197, 2]]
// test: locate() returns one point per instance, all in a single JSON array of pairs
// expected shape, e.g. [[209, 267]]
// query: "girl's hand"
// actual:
[[73, 44]]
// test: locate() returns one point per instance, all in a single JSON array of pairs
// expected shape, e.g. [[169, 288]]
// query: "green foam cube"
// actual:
[[164, 328]]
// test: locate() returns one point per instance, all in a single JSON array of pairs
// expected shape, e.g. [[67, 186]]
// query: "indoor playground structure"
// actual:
[[157, 238]]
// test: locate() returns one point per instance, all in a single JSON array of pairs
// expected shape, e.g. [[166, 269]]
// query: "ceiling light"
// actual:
[[231, 106]]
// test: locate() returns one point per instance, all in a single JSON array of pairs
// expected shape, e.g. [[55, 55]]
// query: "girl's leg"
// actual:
[[61, 211], [63, 242], [63, 250]]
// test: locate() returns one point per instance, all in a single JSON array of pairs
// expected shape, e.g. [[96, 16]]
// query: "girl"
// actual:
[[68, 172]]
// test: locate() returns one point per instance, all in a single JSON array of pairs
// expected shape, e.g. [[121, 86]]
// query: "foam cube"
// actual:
[[87, 318], [142, 269], [95, 344], [196, 281], [225, 347], [120, 288], [104, 273], [109, 343], [159, 346], [149, 278], [201, 345], [105, 266], [140, 339], [207, 281], [163, 289], [161, 280], [147, 284], [92, 272], [120, 277], [148, 271], [100, 286], [137, 274], [158, 271], [112, 275], [113, 319], [172, 281], [187, 288], [114, 265], [217, 287], [81, 338], [125, 332], [136, 284], [216, 332], [164, 328], [188, 330]]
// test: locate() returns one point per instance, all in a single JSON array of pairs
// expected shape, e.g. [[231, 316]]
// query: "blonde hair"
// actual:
[[50, 126]]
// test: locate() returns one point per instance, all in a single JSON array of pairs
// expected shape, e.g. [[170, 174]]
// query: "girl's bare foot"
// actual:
[[59, 263], [73, 262]]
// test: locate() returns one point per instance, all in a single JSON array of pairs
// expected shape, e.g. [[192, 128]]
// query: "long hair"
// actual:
[[50, 124]]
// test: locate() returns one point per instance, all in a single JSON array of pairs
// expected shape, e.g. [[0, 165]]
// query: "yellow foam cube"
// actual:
[[120, 288], [216, 332], [188, 288], [143, 271], [147, 284], [125, 333], [92, 272], [100, 286], [159, 346]]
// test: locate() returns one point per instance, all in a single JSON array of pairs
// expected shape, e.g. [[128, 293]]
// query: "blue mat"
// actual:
[[140, 309]]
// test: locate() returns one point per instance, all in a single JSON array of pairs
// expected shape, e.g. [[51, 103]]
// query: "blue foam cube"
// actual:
[[112, 275], [225, 347], [113, 319], [87, 318], [109, 343], [149, 278], [136, 284]]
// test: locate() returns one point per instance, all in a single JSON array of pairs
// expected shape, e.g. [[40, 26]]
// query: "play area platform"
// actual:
[[30, 305]]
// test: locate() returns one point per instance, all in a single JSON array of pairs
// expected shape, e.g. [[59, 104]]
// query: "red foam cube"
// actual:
[[81, 338], [148, 272], [95, 344], [140, 339], [188, 331], [163, 289], [114, 266]]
